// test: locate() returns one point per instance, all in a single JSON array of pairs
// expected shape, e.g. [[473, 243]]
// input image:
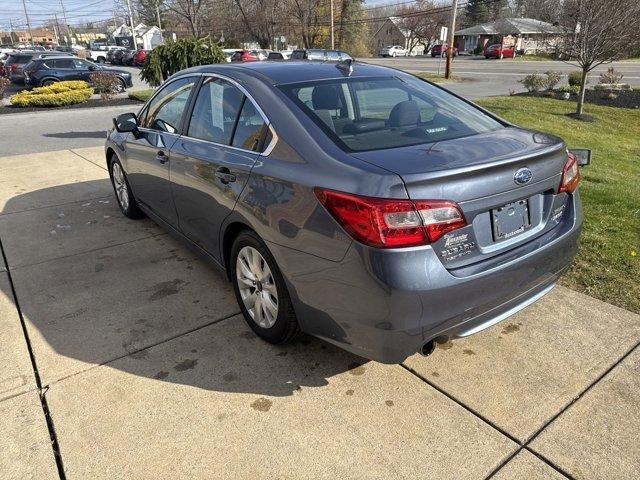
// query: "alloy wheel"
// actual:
[[120, 184], [257, 287]]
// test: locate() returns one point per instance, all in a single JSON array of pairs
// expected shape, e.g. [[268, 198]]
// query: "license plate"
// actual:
[[510, 220]]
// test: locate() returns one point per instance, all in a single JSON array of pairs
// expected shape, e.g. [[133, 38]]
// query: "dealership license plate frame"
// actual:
[[510, 220]]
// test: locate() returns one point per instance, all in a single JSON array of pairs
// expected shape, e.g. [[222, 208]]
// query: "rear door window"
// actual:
[[251, 128], [215, 111], [63, 63]]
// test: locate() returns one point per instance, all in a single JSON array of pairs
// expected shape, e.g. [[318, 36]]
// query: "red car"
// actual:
[[140, 56], [244, 56], [441, 50], [499, 51]]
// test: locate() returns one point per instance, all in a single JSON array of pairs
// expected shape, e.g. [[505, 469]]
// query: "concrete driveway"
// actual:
[[125, 357]]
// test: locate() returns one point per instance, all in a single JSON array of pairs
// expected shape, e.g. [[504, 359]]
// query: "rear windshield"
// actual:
[[20, 58], [362, 114]]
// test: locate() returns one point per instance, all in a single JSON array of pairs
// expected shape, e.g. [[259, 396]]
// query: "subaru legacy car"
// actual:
[[353, 202]]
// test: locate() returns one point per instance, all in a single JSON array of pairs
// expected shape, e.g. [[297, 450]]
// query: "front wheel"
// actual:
[[119, 87], [126, 200], [261, 291]]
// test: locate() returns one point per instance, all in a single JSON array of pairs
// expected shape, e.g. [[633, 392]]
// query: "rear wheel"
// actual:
[[126, 200], [48, 81], [261, 291], [119, 87]]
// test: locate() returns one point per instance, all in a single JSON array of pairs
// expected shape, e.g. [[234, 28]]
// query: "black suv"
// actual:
[[15, 62], [45, 71], [320, 54]]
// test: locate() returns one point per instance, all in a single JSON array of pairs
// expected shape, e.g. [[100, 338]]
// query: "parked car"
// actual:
[[499, 51], [118, 56], [245, 56], [46, 71], [111, 51], [140, 56], [127, 57], [15, 62], [365, 235], [280, 55], [394, 51], [65, 49], [320, 54], [441, 50]]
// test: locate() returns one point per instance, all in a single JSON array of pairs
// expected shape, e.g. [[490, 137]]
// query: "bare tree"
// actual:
[[259, 19], [193, 13], [307, 16], [421, 28], [596, 32]]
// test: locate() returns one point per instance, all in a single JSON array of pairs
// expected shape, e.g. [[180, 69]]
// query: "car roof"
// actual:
[[295, 71]]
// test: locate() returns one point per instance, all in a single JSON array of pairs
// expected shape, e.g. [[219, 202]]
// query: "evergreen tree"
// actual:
[[482, 11]]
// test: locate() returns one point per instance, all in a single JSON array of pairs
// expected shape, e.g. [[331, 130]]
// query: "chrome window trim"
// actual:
[[274, 136], [162, 87]]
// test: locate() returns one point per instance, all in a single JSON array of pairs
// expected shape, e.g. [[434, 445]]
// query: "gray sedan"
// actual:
[[353, 202]]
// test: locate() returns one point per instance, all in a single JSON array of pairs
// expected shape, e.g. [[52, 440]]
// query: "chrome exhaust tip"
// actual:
[[428, 348]]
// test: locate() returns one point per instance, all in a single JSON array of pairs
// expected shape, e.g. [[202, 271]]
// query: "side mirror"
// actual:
[[583, 155], [127, 122], [92, 68]]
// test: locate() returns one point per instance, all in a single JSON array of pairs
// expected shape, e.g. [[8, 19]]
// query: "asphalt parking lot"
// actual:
[[125, 357]]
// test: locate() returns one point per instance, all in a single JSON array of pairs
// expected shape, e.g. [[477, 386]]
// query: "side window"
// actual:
[[65, 63], [378, 102], [332, 55], [165, 110], [251, 129], [80, 64], [215, 111]]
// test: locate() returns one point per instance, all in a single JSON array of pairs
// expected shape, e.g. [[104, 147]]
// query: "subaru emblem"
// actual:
[[522, 176]]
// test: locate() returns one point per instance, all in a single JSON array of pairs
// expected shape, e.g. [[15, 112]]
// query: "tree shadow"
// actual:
[[149, 307]]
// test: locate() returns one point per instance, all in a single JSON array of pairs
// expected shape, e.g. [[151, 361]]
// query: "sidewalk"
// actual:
[[148, 370]]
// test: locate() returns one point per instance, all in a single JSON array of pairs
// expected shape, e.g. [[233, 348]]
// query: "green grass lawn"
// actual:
[[142, 95], [435, 78], [608, 264]]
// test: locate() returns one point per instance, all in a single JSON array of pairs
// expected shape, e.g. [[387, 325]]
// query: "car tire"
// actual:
[[120, 87], [100, 60], [257, 285], [126, 201], [48, 81]]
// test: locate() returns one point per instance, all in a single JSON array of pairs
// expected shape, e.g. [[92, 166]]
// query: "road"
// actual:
[[48, 131], [484, 77]]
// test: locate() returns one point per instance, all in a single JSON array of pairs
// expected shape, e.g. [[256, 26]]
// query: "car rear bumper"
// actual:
[[385, 304]]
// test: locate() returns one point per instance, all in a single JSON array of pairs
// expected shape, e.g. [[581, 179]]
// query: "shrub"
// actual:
[[4, 83], [572, 89], [167, 59], [104, 83], [56, 95], [575, 78], [553, 79], [611, 76], [534, 82]]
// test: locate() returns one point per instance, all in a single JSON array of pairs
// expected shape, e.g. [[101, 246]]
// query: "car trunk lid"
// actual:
[[478, 172]]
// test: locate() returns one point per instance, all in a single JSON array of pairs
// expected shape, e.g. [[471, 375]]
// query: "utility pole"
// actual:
[[56, 28], [66, 24], [159, 22], [452, 29], [133, 33], [333, 44], [11, 30], [26, 15]]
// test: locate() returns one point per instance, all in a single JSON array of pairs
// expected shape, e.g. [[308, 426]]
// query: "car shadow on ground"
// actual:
[[148, 307], [94, 134]]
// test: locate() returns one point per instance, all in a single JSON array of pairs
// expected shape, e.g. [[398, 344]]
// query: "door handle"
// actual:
[[162, 157], [225, 175]]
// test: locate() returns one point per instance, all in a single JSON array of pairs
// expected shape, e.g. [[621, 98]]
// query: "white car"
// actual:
[[99, 55], [394, 51]]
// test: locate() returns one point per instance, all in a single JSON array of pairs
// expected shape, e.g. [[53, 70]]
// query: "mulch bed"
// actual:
[[92, 103], [620, 98]]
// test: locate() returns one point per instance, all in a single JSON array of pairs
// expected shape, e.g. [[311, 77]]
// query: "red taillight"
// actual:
[[570, 174], [14, 67], [391, 223]]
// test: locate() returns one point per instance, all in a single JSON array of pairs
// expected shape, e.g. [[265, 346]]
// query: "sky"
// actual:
[[78, 11]]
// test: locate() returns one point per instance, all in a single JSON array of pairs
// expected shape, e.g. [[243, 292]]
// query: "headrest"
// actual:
[[404, 114], [326, 97]]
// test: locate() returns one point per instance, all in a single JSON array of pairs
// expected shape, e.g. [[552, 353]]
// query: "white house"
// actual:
[[146, 37], [528, 34]]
